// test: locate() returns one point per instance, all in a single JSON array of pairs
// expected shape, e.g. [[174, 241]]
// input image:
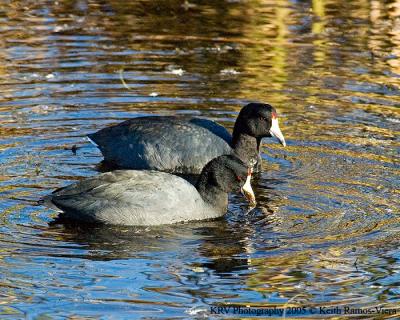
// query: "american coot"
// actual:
[[142, 197], [184, 145]]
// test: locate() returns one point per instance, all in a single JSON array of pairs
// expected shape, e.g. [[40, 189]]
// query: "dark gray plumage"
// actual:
[[184, 145], [132, 197]]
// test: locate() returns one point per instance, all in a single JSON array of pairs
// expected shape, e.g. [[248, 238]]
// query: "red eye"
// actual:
[[239, 178]]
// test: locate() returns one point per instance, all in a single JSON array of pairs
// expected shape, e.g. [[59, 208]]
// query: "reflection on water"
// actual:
[[326, 229]]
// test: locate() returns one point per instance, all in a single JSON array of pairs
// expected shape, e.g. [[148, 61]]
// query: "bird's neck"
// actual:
[[213, 196], [245, 147]]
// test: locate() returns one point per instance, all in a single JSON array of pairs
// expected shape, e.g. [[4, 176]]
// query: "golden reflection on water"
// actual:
[[327, 224]]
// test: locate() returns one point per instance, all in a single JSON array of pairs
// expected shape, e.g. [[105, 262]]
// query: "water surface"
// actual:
[[326, 228]]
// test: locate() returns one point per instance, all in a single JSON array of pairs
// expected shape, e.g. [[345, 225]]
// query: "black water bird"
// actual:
[[185, 145], [143, 197]]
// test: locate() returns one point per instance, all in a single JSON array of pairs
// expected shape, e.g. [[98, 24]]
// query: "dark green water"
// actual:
[[326, 229]]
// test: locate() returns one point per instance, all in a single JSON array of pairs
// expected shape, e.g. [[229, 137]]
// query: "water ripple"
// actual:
[[326, 228]]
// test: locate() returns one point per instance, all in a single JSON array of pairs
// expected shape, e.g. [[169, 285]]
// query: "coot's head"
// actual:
[[226, 173], [259, 120]]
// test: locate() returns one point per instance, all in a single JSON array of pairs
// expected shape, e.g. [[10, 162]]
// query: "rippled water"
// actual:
[[326, 229]]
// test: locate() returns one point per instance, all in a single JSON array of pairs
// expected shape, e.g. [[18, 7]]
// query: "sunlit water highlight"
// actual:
[[326, 229]]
